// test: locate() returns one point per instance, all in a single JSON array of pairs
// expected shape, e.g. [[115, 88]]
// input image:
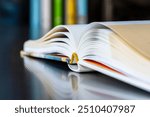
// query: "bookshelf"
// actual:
[[51, 13]]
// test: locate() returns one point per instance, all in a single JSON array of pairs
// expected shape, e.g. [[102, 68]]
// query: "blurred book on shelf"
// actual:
[[70, 11], [46, 18], [107, 10], [82, 11], [35, 16], [57, 12], [94, 10]]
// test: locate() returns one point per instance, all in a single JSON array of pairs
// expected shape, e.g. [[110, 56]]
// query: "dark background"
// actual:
[[17, 11], [14, 30]]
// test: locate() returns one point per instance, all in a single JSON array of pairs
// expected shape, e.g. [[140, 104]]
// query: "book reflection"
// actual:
[[58, 82]]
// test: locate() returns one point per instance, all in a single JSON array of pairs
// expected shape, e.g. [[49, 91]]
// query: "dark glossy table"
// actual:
[[29, 78]]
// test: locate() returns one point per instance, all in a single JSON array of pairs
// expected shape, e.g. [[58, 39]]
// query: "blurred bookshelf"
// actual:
[[14, 12], [51, 13], [43, 15]]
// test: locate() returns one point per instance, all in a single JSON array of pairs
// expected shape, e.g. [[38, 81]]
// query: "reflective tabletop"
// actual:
[[29, 78]]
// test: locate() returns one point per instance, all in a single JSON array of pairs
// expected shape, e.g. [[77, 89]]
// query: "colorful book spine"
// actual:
[[82, 11], [57, 12], [35, 19], [70, 12], [46, 22], [46, 56]]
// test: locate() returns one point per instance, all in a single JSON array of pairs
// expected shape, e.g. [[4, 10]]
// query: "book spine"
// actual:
[[70, 12], [45, 56], [107, 10], [35, 19], [46, 22], [94, 10], [82, 11], [57, 12]]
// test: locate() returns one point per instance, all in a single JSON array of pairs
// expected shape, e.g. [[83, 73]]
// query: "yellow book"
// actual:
[[71, 12]]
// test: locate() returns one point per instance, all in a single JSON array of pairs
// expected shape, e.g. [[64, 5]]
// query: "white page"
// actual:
[[129, 80]]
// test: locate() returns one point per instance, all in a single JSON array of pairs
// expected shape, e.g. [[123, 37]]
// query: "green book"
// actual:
[[57, 12]]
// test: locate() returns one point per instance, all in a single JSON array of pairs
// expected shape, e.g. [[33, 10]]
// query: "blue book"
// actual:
[[82, 11], [35, 19]]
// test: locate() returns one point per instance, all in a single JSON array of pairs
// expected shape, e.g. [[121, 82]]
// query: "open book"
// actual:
[[118, 49]]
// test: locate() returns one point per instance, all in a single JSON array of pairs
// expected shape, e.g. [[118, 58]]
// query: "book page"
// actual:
[[135, 33], [74, 33], [137, 36], [104, 70], [62, 39]]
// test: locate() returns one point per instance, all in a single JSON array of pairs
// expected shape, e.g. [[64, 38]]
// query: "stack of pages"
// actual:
[[118, 49]]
